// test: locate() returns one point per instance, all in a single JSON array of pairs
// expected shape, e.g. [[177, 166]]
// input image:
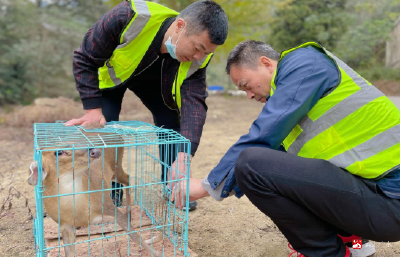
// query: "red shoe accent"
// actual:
[[348, 253], [348, 239], [296, 252]]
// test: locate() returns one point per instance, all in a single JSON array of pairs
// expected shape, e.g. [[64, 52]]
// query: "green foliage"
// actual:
[[84, 10], [177, 5], [16, 75], [370, 23], [111, 3], [299, 21], [380, 73], [37, 38], [248, 19], [36, 45]]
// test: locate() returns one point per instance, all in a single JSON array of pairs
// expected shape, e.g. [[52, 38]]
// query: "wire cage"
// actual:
[[75, 168]]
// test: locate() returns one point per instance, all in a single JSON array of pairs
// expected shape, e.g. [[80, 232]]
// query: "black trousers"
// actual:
[[311, 201], [162, 115]]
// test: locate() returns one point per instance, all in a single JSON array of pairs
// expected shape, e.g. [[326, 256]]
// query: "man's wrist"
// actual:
[[215, 194], [94, 110], [205, 192], [184, 156], [92, 103]]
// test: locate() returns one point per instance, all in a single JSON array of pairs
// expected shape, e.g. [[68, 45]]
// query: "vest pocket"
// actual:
[[329, 146], [103, 73], [119, 59]]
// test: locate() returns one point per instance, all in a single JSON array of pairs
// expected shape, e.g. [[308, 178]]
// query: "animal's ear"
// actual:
[[34, 176]]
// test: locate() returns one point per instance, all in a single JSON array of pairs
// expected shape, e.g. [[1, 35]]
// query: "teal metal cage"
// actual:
[[143, 145]]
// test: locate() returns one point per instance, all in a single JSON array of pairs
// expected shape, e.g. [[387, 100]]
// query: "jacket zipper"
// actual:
[[148, 66], [162, 64]]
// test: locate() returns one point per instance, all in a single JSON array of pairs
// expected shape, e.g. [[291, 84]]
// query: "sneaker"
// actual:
[[192, 206], [348, 252], [368, 249], [116, 194]]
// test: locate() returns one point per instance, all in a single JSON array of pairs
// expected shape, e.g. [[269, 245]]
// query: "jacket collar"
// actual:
[[153, 53]]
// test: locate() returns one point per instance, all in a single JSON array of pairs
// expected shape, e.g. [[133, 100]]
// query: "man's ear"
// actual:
[[267, 63], [264, 61], [181, 24], [34, 176]]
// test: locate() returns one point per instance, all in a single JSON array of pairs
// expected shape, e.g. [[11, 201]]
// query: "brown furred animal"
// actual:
[[75, 169]]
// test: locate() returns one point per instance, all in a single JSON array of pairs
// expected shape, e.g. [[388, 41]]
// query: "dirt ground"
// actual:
[[233, 227]]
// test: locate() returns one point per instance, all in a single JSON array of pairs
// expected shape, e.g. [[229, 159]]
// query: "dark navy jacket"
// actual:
[[304, 76], [97, 47]]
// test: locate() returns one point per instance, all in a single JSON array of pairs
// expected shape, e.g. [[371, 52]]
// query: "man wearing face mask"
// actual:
[[322, 159], [158, 54]]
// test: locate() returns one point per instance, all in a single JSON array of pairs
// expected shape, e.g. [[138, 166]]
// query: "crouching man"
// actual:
[[322, 159]]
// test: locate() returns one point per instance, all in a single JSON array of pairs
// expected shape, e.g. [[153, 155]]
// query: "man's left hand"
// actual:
[[178, 169]]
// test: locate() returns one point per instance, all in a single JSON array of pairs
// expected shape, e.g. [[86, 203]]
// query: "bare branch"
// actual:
[[7, 203]]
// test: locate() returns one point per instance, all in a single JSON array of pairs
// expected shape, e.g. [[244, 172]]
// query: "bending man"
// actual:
[[158, 54]]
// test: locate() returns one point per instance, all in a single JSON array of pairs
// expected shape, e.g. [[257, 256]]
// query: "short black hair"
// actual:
[[206, 15], [247, 54]]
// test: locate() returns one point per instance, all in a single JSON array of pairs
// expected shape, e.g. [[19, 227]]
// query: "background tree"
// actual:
[[37, 38], [369, 24], [298, 21], [248, 19], [36, 46]]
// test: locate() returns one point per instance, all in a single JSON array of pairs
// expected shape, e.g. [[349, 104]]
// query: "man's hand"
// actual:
[[178, 169], [91, 116], [196, 191]]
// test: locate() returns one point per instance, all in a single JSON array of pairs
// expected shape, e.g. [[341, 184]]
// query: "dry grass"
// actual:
[[233, 227], [43, 110], [49, 110], [16, 122]]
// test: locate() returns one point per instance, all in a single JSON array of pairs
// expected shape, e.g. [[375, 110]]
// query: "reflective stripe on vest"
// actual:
[[134, 43], [186, 69], [354, 127]]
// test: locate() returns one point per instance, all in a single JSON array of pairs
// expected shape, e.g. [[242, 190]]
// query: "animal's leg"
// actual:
[[123, 222], [123, 178], [128, 202], [67, 232]]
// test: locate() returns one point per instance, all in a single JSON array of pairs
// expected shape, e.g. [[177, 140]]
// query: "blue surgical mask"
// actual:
[[172, 47]]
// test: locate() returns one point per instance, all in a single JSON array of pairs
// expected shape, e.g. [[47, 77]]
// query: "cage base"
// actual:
[[116, 245]]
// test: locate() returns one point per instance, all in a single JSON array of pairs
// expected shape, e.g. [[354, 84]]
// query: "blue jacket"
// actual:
[[305, 75]]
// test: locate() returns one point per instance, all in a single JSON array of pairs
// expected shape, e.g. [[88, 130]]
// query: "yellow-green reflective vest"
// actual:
[[354, 127], [134, 43]]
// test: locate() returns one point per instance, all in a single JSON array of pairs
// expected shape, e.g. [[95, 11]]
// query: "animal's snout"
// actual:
[[95, 153]]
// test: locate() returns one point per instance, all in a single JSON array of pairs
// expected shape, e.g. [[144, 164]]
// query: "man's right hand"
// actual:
[[91, 116], [196, 191]]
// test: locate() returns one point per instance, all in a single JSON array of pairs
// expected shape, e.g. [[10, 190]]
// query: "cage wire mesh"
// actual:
[[73, 181]]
